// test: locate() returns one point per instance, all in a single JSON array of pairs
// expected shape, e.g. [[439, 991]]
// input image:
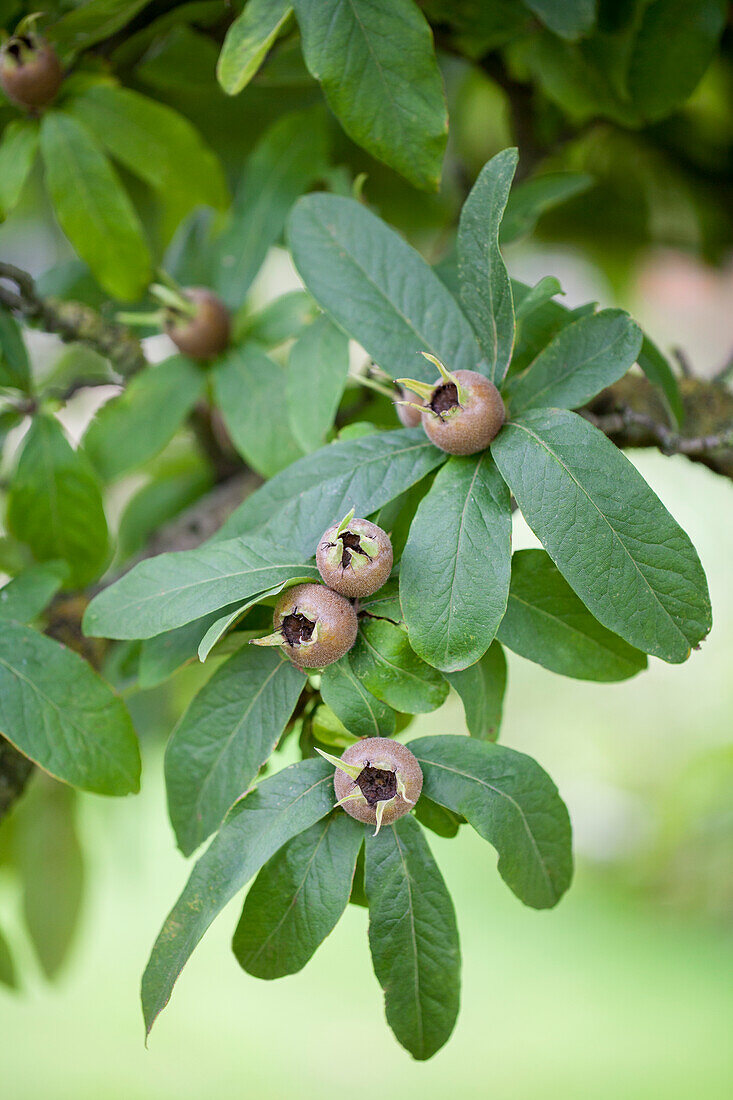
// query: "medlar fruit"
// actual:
[[463, 410], [354, 557], [377, 780], [30, 71], [313, 625], [206, 332]]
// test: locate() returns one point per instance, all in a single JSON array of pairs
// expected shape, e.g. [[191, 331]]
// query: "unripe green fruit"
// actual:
[[30, 71], [469, 426], [316, 626], [408, 415], [387, 785], [206, 333], [356, 559]]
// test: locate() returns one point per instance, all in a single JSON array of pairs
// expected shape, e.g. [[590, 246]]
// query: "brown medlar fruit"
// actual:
[[354, 557], [30, 71], [377, 780], [313, 625], [203, 333], [463, 410]]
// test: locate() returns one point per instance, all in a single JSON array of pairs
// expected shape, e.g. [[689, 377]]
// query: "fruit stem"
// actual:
[[141, 320], [370, 384]]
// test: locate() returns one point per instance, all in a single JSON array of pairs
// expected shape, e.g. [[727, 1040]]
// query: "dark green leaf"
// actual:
[[182, 60], [583, 359], [288, 158], [531, 198], [486, 291], [385, 603], [659, 373], [413, 937], [282, 319], [454, 576], [296, 506], [568, 18], [165, 653], [251, 393], [388, 668], [247, 41], [18, 149], [225, 736], [27, 595], [298, 898], [55, 503], [547, 623], [92, 208], [607, 532], [137, 425], [256, 827], [8, 976], [173, 589], [440, 821], [14, 366], [318, 366], [481, 688], [92, 22], [511, 802], [361, 712], [376, 64], [63, 716], [378, 288]]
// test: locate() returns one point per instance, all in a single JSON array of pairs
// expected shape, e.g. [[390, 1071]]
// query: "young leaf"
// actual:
[[413, 937], [14, 366], [27, 595], [250, 392], [248, 40], [547, 623], [607, 532], [283, 319], [55, 503], [18, 148], [137, 425], [318, 366], [173, 589], [387, 666], [376, 64], [659, 373], [511, 802], [298, 898], [568, 18], [92, 208], [542, 292], [481, 688], [361, 712], [8, 977], [454, 576], [486, 292], [48, 856], [63, 716], [255, 828], [583, 359], [377, 288], [297, 505], [225, 736], [287, 159]]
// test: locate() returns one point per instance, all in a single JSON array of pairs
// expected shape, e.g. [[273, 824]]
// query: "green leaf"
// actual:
[[436, 818], [547, 623], [297, 505], [376, 64], [377, 288], [165, 653], [659, 373], [92, 208], [298, 898], [542, 292], [250, 390], [568, 18], [280, 320], [18, 149], [672, 48], [531, 198], [255, 828], [290, 156], [55, 503], [387, 666], [14, 365], [385, 603], [92, 22], [48, 856], [248, 40], [155, 143], [454, 576], [225, 736], [361, 712], [170, 590], [538, 326], [607, 532], [413, 937], [161, 500], [486, 291], [583, 359], [481, 688], [135, 426], [63, 716], [8, 976], [511, 802], [222, 625], [318, 366], [27, 595]]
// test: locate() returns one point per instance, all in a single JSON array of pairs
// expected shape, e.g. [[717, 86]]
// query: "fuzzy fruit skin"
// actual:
[[408, 415], [379, 752], [364, 579], [335, 617], [207, 333], [36, 82], [472, 426]]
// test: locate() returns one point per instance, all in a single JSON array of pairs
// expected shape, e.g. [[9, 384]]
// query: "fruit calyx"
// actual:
[[377, 780]]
